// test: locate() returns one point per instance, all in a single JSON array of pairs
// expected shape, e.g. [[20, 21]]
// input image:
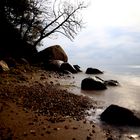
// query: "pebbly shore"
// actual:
[[34, 106]]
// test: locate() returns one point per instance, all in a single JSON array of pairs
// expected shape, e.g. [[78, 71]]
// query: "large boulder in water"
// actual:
[[115, 114], [92, 84], [93, 71], [52, 53]]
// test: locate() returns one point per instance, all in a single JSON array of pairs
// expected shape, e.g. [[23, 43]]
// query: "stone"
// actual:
[[3, 66], [92, 84], [52, 53], [67, 67], [111, 83], [77, 68], [53, 65], [118, 115], [93, 71]]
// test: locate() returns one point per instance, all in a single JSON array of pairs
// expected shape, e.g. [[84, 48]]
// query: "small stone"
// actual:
[[49, 126], [31, 123], [73, 138], [56, 128], [88, 138], [25, 133], [32, 131], [93, 125], [48, 132], [85, 121], [75, 127], [93, 131], [109, 138], [91, 134], [66, 127], [35, 120], [44, 128]]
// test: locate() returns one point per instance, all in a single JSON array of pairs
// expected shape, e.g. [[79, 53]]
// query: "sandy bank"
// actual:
[[34, 106]]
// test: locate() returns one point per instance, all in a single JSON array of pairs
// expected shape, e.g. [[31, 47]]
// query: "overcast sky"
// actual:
[[111, 36]]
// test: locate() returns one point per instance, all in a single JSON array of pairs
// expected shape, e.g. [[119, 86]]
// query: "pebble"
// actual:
[[48, 132], [93, 131], [30, 123], [109, 138], [91, 134], [44, 128], [88, 138], [66, 127], [25, 133], [75, 128], [56, 128], [32, 131], [49, 126], [84, 121], [93, 125]]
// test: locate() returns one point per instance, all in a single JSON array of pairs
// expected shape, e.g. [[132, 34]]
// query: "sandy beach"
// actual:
[[34, 105]]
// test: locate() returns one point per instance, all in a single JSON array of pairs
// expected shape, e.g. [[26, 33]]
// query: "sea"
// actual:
[[127, 95]]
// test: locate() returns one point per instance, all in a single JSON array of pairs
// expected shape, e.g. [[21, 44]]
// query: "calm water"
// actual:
[[126, 95]]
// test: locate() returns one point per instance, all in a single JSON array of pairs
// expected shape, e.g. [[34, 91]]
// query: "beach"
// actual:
[[39, 104]]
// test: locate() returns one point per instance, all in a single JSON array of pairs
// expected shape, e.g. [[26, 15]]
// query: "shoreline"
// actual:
[[26, 114]]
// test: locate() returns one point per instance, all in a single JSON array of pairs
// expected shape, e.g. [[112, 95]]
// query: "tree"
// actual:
[[15, 16], [34, 20], [63, 17]]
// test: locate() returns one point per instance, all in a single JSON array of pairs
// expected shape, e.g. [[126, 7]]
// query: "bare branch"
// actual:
[[65, 20]]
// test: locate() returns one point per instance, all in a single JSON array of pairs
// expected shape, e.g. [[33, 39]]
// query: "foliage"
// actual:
[[34, 20]]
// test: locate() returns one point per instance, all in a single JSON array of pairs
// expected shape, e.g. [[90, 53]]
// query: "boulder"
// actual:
[[52, 53], [111, 83], [93, 71], [53, 65], [3, 66], [77, 67], [67, 67], [115, 114], [92, 84]]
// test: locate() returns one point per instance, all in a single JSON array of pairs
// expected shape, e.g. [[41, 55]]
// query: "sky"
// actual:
[[111, 35]]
